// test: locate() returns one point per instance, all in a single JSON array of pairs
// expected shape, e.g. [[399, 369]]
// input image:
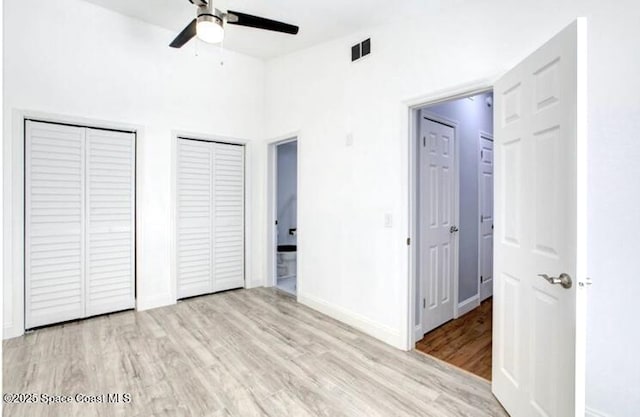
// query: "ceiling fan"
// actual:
[[210, 22]]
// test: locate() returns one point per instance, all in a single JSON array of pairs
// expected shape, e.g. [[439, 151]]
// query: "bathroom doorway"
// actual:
[[285, 210]]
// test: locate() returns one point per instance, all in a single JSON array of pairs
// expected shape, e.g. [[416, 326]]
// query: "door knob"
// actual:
[[453, 229], [563, 279]]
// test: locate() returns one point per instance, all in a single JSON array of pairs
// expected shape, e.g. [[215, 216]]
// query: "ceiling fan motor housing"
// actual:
[[206, 12], [209, 17]]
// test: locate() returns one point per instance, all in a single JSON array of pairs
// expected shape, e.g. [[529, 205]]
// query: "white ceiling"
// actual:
[[319, 20]]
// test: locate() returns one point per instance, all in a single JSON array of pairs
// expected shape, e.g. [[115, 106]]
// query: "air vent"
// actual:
[[355, 52], [360, 50], [366, 47]]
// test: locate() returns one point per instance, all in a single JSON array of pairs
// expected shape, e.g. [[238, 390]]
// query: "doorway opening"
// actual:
[[285, 209], [454, 219]]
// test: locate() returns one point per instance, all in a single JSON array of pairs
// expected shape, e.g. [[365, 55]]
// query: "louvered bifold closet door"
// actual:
[[110, 217], [54, 235], [228, 232], [194, 219]]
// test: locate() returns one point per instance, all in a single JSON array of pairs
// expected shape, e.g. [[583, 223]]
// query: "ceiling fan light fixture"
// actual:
[[209, 28]]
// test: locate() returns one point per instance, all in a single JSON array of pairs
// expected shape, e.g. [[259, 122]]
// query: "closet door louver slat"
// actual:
[[54, 223]]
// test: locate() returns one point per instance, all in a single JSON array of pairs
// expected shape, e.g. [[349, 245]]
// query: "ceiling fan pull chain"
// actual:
[[222, 49]]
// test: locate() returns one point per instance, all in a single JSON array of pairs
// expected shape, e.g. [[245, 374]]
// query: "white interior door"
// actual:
[[485, 179], [54, 223], [194, 207], [228, 233], [210, 217], [110, 221], [538, 366], [437, 238]]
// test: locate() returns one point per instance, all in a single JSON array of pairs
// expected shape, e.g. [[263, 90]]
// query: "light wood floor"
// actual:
[[241, 353], [464, 342]]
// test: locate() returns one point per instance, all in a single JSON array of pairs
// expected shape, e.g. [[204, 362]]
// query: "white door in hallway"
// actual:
[[437, 202], [540, 170], [485, 246]]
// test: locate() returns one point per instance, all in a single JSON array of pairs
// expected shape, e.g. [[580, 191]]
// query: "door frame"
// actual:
[[455, 188], [411, 108], [272, 210], [481, 135], [15, 225], [173, 195]]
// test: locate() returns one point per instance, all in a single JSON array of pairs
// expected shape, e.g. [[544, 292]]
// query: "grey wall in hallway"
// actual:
[[473, 116], [287, 191]]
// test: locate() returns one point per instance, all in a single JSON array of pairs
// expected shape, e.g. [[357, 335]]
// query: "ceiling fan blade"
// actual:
[[186, 35], [243, 19]]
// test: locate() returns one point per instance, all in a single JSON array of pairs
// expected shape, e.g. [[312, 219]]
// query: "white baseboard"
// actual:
[[10, 331], [590, 412], [364, 324], [154, 301], [253, 283], [486, 290], [468, 305], [418, 334]]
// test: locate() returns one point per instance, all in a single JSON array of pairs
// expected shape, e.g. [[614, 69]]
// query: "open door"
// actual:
[[540, 229]]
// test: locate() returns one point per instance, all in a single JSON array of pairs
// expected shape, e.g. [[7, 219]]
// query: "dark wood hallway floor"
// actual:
[[464, 342]]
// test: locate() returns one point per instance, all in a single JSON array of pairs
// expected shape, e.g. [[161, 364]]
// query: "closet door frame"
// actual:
[[203, 137], [15, 222]]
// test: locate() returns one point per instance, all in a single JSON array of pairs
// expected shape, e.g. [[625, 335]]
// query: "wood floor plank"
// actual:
[[464, 342], [235, 354]]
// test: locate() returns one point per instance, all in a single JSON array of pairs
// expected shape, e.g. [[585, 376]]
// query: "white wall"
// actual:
[[75, 59], [68, 57], [287, 188], [353, 267], [474, 117]]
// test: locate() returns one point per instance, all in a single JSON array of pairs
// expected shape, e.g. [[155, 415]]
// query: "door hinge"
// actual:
[[424, 303], [587, 282], [276, 222], [481, 279], [481, 154], [408, 241], [481, 218], [424, 141]]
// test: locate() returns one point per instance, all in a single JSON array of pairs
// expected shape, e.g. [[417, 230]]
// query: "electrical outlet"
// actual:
[[388, 220], [349, 140]]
